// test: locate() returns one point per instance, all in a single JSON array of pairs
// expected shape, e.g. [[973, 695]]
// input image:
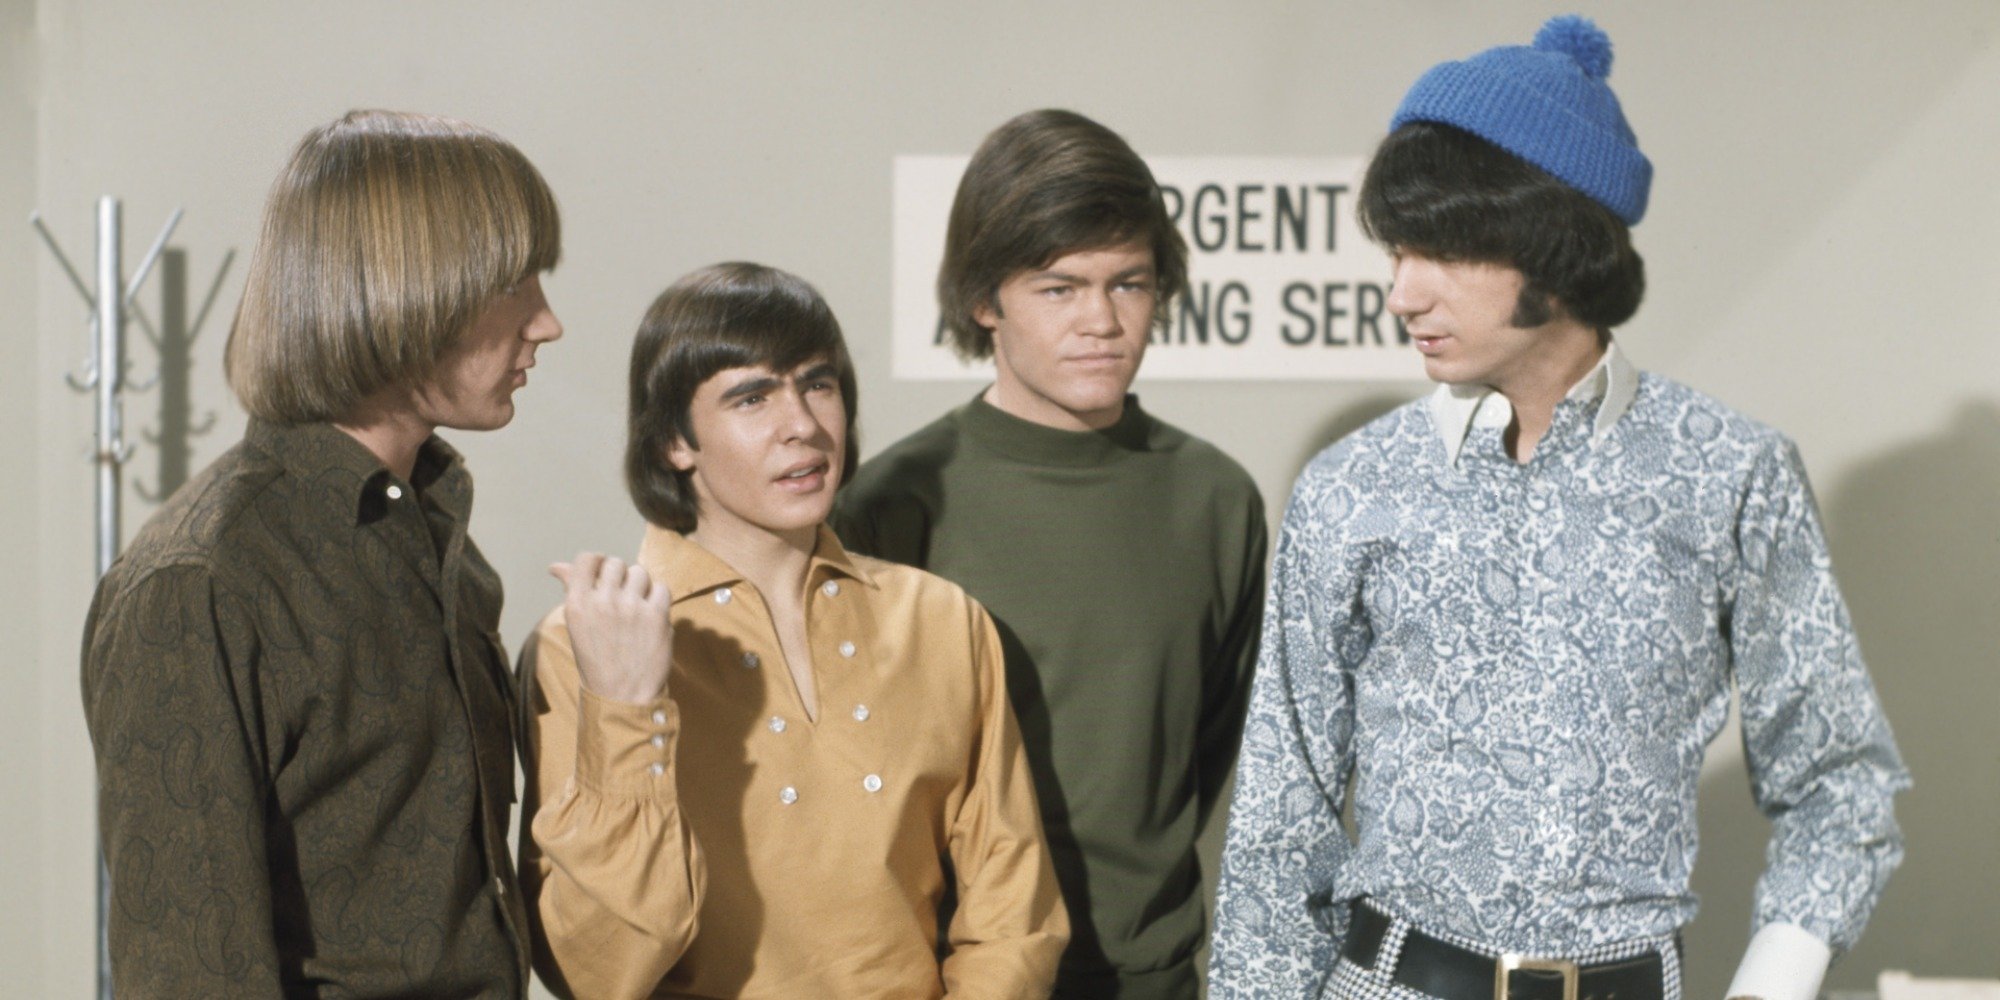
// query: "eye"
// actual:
[[1138, 285], [748, 400], [822, 385], [1054, 291]]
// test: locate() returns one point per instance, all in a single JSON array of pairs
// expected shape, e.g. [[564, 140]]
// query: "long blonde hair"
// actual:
[[383, 238]]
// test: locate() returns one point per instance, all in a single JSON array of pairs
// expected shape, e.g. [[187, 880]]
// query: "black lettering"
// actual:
[[1304, 334], [1232, 326], [1244, 217], [1175, 202], [1368, 299], [1333, 193], [1194, 312], [1220, 218], [1332, 314], [1290, 214], [943, 334]]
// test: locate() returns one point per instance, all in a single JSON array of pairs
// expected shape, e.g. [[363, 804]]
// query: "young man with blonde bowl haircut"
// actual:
[[756, 762], [1513, 613], [1122, 558], [301, 714]]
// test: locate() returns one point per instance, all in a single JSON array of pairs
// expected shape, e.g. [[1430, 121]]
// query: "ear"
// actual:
[[986, 312], [680, 454]]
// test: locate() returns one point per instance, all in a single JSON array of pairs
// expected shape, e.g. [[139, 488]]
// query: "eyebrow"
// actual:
[[752, 386], [760, 384], [1077, 279]]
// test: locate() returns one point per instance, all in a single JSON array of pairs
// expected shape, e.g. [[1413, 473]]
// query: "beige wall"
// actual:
[[26, 740], [1822, 239]]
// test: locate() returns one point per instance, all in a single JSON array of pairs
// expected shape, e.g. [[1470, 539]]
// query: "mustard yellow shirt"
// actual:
[[718, 843]]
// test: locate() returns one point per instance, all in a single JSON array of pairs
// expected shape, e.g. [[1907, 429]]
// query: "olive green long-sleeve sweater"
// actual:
[[1125, 570]]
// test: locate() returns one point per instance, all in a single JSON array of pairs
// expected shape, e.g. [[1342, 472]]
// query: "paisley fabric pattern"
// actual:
[[302, 718], [1519, 666]]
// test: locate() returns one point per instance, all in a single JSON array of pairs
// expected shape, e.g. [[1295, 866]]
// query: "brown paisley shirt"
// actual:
[[302, 718]]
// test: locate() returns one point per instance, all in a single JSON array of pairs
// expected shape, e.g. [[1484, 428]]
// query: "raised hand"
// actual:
[[618, 626]]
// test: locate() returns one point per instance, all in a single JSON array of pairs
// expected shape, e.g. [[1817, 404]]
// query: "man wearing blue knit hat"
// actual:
[[1513, 613]]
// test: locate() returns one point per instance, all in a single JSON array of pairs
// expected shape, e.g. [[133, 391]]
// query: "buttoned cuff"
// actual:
[[1783, 962], [624, 749]]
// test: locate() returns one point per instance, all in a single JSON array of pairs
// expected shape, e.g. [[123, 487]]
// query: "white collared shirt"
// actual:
[[1457, 409]]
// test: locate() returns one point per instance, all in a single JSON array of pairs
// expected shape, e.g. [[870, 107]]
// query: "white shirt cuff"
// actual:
[[1783, 962]]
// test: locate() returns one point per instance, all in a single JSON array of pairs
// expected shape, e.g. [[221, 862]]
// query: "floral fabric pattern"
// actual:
[[1520, 664]]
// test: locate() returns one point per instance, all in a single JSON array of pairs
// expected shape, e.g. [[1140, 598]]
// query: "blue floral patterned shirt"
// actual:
[[1520, 665]]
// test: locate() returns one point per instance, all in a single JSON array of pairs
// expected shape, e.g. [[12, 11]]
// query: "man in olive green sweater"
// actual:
[[1122, 559]]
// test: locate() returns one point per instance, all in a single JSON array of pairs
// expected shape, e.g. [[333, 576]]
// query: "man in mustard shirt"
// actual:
[[777, 813]]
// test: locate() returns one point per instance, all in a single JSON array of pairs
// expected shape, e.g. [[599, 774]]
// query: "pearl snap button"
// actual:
[[831, 588], [847, 649], [659, 716], [750, 661], [861, 713], [788, 795], [722, 596], [395, 492], [777, 724], [873, 782]]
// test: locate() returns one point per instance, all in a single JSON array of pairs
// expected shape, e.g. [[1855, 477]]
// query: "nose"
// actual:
[[799, 422], [1409, 290], [543, 326], [1099, 316]]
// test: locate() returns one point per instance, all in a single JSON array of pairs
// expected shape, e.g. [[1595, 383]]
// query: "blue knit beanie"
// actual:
[[1547, 104]]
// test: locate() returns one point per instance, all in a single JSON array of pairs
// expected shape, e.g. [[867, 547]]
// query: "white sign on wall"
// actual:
[[1281, 282]]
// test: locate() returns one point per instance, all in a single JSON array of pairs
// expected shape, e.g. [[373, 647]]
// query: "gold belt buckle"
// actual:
[[1511, 962]]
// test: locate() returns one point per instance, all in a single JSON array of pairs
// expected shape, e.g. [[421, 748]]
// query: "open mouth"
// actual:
[[805, 477]]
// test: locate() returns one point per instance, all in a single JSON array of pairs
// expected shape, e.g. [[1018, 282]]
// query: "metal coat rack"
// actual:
[[104, 376]]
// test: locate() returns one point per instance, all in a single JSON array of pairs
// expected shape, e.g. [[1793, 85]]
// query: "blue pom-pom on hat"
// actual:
[[1579, 38], [1547, 103]]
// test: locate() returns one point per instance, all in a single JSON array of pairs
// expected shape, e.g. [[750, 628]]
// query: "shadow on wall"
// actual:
[[1917, 547], [1346, 421], [173, 341]]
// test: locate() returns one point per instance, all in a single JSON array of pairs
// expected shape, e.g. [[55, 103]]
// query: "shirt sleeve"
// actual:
[[1783, 962], [1823, 765], [1277, 927], [1010, 927], [173, 717], [1228, 673], [612, 875]]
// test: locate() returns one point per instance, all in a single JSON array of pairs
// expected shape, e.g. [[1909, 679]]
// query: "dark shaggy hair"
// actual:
[[1447, 194], [1045, 184], [732, 315]]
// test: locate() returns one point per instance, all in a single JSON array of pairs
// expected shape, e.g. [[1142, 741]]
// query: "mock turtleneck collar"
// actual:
[[1036, 444]]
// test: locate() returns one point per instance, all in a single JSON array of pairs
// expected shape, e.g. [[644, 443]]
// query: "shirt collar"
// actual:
[[323, 453], [688, 569], [1457, 408], [1027, 441]]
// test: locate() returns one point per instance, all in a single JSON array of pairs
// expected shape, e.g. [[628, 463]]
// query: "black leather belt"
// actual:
[[1445, 970]]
